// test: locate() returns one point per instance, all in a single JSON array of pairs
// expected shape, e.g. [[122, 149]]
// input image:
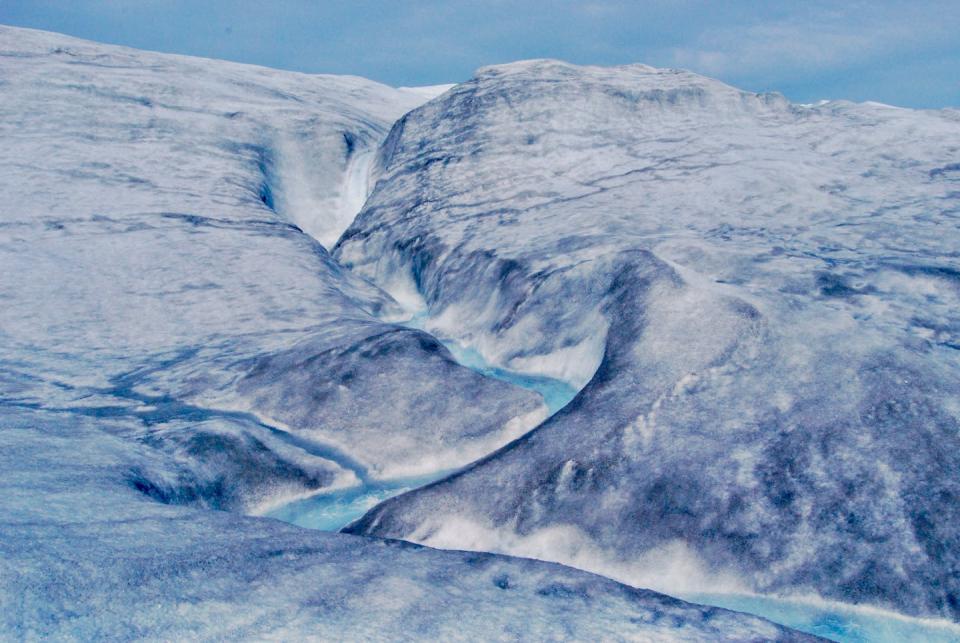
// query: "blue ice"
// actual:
[[556, 393], [834, 621], [335, 510]]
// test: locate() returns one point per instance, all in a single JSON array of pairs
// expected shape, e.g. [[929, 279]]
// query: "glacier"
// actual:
[[757, 301], [84, 556], [156, 257], [180, 354], [562, 352]]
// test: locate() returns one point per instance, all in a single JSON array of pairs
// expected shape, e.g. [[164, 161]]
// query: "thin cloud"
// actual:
[[897, 52], [824, 41]]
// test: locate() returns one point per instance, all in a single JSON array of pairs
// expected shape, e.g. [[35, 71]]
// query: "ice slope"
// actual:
[[172, 340], [760, 301], [155, 265], [83, 556]]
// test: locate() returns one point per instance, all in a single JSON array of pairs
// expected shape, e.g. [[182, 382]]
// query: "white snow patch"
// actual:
[[428, 92], [672, 568]]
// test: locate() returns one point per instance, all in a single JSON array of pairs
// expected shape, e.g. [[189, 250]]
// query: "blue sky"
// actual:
[[903, 53]]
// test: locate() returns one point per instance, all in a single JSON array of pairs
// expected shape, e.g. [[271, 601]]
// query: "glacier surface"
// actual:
[[687, 337], [83, 556], [175, 339], [759, 303], [156, 265]]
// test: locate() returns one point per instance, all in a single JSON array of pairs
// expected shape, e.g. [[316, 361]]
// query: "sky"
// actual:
[[903, 53]]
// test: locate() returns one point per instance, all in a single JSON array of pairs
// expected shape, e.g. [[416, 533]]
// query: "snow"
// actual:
[[334, 509], [84, 555], [665, 273], [757, 301], [164, 315], [154, 245], [428, 92], [556, 392]]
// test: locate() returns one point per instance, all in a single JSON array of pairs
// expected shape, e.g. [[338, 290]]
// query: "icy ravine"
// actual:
[[761, 299], [335, 509], [187, 203], [156, 282]]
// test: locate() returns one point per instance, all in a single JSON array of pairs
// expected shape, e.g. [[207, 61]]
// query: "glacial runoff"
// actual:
[[687, 339]]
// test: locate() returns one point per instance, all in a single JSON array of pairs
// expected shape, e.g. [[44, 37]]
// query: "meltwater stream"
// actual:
[[335, 510], [833, 621], [836, 621]]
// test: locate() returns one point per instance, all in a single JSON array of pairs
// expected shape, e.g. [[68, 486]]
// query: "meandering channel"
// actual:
[[332, 511]]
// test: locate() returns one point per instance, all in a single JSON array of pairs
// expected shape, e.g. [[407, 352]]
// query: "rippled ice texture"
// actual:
[[173, 341], [761, 301]]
